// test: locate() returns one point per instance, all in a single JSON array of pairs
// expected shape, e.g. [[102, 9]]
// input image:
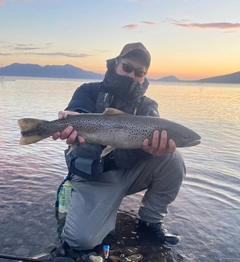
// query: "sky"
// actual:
[[190, 39]]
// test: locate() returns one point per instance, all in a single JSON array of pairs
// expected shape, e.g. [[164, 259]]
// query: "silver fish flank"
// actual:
[[112, 128]]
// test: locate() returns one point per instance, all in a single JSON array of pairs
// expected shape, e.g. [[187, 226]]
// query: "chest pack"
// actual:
[[84, 160]]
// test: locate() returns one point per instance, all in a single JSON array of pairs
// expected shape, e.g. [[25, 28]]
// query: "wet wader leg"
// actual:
[[162, 177], [94, 204], [92, 210]]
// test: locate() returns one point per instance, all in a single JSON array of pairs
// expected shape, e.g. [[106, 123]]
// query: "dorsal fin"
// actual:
[[112, 111]]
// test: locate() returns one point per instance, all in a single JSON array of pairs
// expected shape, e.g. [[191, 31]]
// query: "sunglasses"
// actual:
[[138, 72]]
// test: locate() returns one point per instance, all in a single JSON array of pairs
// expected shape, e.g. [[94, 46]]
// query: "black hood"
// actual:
[[122, 87]]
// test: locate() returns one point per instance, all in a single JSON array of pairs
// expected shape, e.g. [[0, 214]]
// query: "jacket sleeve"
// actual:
[[84, 98], [84, 160], [127, 158]]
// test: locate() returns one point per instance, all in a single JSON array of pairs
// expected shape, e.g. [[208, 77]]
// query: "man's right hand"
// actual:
[[68, 133]]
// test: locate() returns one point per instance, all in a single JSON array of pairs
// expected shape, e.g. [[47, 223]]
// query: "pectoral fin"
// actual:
[[72, 147], [107, 150]]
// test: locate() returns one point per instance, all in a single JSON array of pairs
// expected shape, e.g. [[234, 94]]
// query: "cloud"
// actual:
[[26, 48], [25, 45], [5, 54], [130, 27], [133, 26], [148, 23], [177, 21], [29, 46], [222, 25], [74, 55], [1, 2]]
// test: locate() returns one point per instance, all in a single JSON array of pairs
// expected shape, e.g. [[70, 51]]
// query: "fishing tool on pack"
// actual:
[[106, 250], [65, 194]]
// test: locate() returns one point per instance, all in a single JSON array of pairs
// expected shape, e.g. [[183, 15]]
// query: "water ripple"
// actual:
[[206, 211]]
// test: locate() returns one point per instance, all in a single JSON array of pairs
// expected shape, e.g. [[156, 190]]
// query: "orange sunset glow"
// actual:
[[184, 38]]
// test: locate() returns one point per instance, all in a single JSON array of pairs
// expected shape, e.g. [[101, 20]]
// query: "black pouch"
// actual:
[[85, 161]]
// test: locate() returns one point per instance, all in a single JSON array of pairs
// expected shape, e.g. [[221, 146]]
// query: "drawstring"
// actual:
[[139, 101]]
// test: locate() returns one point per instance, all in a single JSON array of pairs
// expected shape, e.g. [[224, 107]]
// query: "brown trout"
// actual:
[[112, 128]]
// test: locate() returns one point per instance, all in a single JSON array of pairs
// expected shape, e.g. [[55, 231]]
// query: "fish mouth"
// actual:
[[193, 143]]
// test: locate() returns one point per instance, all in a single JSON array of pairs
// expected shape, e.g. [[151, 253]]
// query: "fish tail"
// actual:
[[28, 127]]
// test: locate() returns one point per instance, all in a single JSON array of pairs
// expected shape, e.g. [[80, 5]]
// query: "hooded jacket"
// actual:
[[120, 92]]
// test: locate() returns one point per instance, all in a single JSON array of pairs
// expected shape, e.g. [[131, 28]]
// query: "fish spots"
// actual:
[[119, 131]]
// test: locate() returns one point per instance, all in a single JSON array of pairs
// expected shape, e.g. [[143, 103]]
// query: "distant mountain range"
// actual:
[[167, 79], [69, 71], [53, 71], [233, 78]]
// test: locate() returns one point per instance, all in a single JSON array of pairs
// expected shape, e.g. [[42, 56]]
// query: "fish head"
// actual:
[[189, 140], [183, 136]]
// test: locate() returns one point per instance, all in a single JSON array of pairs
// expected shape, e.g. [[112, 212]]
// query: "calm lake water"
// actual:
[[206, 213]]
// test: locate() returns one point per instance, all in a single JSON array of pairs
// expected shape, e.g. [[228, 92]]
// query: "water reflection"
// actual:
[[206, 212]]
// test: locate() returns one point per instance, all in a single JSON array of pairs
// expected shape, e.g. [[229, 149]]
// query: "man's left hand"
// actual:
[[157, 149]]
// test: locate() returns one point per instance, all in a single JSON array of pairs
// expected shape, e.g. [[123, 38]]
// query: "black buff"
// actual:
[[122, 87]]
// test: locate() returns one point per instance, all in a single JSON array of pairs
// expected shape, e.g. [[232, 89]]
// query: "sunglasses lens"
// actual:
[[139, 72], [128, 69]]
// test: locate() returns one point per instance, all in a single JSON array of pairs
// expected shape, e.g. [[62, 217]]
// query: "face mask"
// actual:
[[122, 87]]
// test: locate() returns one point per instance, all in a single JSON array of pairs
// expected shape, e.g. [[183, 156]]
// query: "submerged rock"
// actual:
[[128, 251], [93, 258], [134, 258], [126, 244]]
